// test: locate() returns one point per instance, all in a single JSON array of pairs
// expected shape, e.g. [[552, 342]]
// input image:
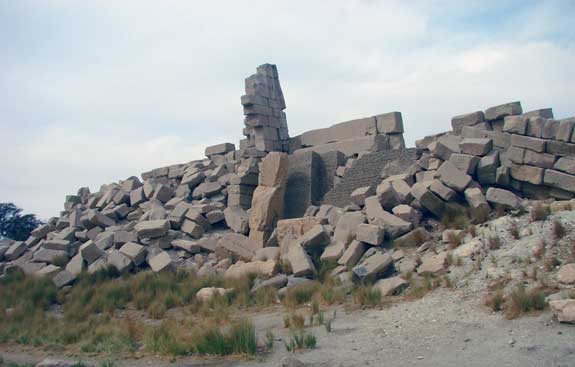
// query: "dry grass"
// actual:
[[558, 229], [521, 301], [540, 212], [454, 240], [514, 230], [367, 297], [494, 242], [495, 300]]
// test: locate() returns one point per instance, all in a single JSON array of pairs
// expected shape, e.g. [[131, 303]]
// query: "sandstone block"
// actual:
[[444, 192], [566, 274], [315, 237], [433, 265], [372, 266], [388, 196], [542, 160], [267, 208], [391, 286], [543, 112], [118, 260], [564, 310], [475, 198], [369, 233], [527, 142], [90, 252], [352, 254], [559, 180], [535, 126], [358, 195], [277, 282], [407, 213], [427, 199], [452, 177], [237, 245], [192, 228], [333, 252], [445, 146], [468, 119], [501, 111], [503, 198], [566, 165], [274, 170], [394, 226], [219, 149], [135, 252], [63, 278], [237, 219], [464, 162], [389, 123], [487, 168], [300, 262], [479, 147], [161, 262], [152, 228], [515, 125], [413, 238], [242, 269], [565, 129], [345, 229], [524, 173], [15, 250], [560, 148]]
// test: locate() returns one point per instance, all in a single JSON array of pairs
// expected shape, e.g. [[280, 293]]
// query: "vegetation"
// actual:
[[539, 212], [14, 225], [558, 229], [517, 302]]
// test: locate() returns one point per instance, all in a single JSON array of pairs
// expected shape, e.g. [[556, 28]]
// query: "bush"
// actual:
[[367, 297], [539, 212], [520, 301]]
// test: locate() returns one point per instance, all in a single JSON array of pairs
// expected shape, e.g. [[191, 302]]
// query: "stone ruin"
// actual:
[[342, 194]]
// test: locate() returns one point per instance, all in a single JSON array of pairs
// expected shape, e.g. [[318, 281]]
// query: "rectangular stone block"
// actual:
[[550, 127], [535, 126], [544, 113], [542, 160], [565, 129], [501, 111], [468, 119], [479, 147], [524, 173], [560, 148], [464, 162], [515, 125], [566, 165], [219, 149], [389, 123], [560, 180], [527, 142]]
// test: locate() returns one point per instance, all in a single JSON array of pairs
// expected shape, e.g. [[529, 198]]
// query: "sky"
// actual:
[[95, 91]]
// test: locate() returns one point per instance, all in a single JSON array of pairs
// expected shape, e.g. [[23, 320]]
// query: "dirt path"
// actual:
[[446, 328]]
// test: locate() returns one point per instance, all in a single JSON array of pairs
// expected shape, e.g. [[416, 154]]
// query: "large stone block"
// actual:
[[118, 260], [316, 237], [345, 229], [566, 165], [352, 254], [542, 160], [543, 112], [468, 119], [239, 246], [475, 198], [389, 123], [444, 192], [237, 219], [464, 162], [527, 142], [503, 198], [219, 149], [369, 233], [427, 199], [90, 252], [535, 126], [565, 129], [372, 266], [452, 177], [524, 173], [267, 208], [445, 146], [487, 168], [479, 147], [274, 170], [501, 111], [388, 196], [515, 125], [152, 228], [15, 250], [559, 180], [300, 262], [358, 195], [560, 148], [394, 226], [192, 228], [161, 262], [135, 252]]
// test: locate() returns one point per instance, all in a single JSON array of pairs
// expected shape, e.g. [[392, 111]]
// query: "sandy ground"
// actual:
[[445, 328]]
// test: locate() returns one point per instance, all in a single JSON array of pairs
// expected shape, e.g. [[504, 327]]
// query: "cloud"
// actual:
[[97, 91]]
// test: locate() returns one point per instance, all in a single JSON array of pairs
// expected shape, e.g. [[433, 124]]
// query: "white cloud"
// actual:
[[102, 90]]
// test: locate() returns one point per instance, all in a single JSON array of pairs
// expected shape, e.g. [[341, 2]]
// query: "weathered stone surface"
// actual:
[[452, 177], [300, 262], [76, 265], [63, 278], [475, 198], [524, 173], [352, 254], [42, 230], [371, 266], [135, 252], [345, 229], [267, 208], [445, 146], [564, 310], [290, 361], [15, 250], [161, 262], [215, 216], [464, 162], [99, 219], [219, 149], [501, 111], [54, 244], [565, 129], [333, 252], [478, 147], [192, 228], [238, 246], [412, 239], [560, 180], [276, 282], [90, 252], [468, 119], [207, 293], [542, 160], [388, 196], [394, 226], [316, 237], [427, 199], [515, 125], [358, 195], [407, 213], [369, 233], [566, 165], [266, 253], [566, 274], [560, 148], [389, 123], [391, 286], [435, 264], [503, 198], [274, 170], [527, 142], [242, 269], [118, 260], [237, 219], [48, 271], [444, 192], [152, 228]]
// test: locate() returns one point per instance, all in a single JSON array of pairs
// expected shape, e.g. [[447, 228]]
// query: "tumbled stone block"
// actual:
[[501, 111], [468, 119], [503, 198], [152, 228], [479, 147], [559, 180]]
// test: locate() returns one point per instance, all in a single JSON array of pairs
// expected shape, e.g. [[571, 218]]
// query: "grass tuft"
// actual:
[[540, 212]]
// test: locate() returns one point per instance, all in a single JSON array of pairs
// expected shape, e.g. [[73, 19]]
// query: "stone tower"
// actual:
[[265, 121]]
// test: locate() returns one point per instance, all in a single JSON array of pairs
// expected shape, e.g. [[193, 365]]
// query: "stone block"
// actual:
[[478, 146], [475, 198], [468, 119], [369, 233], [433, 265], [566, 165], [137, 196], [345, 229], [515, 155], [560, 180], [389, 123], [387, 195], [503, 198], [219, 149], [515, 125], [394, 226], [452, 177], [527, 142], [535, 126], [564, 310], [445, 146], [15, 250], [524, 173], [352, 254], [372, 266], [444, 192], [427, 199], [333, 252], [207, 189], [215, 216], [237, 245], [163, 193], [192, 228], [543, 112], [90, 252], [550, 128], [412, 239], [560, 148], [501, 111], [119, 261], [502, 176], [152, 228], [135, 252], [45, 255], [161, 262], [274, 170], [237, 219], [487, 168], [464, 162], [542, 160], [54, 244], [391, 286], [300, 261], [358, 195], [98, 219], [565, 129], [63, 278], [316, 237]]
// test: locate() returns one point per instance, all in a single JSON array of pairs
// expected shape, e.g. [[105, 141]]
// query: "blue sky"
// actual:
[[98, 90]]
